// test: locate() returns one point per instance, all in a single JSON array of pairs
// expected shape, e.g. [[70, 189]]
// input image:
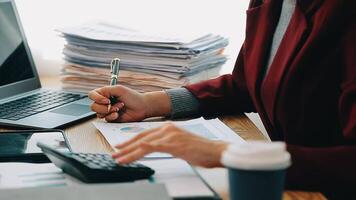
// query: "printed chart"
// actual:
[[214, 129]]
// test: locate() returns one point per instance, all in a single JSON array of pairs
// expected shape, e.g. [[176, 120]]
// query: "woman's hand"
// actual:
[[131, 106], [175, 141]]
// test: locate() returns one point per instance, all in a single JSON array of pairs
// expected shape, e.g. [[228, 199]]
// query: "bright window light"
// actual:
[[174, 17]]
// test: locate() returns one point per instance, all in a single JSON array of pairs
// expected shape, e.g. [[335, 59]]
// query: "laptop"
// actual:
[[23, 102]]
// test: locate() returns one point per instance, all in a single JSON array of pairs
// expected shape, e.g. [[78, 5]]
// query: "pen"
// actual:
[[115, 67]]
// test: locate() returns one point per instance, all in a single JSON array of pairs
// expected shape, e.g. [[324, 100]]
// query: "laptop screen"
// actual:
[[14, 62]]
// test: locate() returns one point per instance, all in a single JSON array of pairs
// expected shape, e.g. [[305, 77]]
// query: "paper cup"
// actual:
[[256, 170]]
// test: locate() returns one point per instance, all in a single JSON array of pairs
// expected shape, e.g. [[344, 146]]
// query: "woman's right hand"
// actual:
[[131, 106]]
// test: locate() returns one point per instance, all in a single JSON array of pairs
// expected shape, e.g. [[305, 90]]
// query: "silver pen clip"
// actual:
[[115, 66]]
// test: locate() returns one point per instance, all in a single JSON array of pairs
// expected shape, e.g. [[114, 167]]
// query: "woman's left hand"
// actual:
[[175, 141]]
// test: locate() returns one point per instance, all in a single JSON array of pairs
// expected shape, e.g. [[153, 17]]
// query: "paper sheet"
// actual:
[[112, 191], [19, 175], [214, 129], [179, 177], [106, 32], [174, 173]]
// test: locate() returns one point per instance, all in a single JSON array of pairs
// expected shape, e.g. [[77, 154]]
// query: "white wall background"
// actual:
[[178, 17], [181, 17]]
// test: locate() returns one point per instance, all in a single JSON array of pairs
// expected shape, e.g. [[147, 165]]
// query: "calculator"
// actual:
[[95, 167]]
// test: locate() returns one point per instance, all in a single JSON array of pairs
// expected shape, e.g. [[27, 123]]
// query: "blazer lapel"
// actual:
[[289, 47], [262, 19], [261, 23], [309, 7]]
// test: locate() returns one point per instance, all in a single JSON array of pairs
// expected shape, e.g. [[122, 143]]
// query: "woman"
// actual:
[[296, 68]]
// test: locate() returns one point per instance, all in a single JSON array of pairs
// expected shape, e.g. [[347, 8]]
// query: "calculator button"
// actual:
[[96, 161], [80, 159], [104, 165], [112, 164], [106, 156], [93, 166]]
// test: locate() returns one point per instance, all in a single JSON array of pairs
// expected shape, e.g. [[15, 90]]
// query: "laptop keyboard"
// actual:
[[36, 103]]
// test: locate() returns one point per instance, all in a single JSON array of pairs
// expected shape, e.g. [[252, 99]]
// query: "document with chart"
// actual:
[[213, 129]]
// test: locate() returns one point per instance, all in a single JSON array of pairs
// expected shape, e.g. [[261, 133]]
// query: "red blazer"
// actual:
[[308, 98]]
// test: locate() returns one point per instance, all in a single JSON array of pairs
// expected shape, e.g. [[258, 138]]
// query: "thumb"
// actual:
[[116, 91], [102, 95]]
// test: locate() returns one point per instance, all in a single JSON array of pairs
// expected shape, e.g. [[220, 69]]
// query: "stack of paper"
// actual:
[[148, 62]]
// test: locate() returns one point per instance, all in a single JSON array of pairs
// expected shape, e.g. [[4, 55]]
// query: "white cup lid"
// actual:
[[257, 155]]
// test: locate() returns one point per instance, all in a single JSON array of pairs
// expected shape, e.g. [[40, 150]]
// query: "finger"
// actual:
[[136, 145], [146, 148], [158, 130], [133, 156], [97, 97], [163, 145], [118, 106], [100, 115], [103, 109], [157, 145], [109, 91], [112, 116], [137, 137]]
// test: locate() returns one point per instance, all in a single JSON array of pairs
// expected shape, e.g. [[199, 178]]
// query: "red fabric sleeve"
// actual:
[[332, 169], [226, 94]]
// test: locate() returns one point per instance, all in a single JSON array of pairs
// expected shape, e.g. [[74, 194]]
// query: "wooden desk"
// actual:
[[86, 138]]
